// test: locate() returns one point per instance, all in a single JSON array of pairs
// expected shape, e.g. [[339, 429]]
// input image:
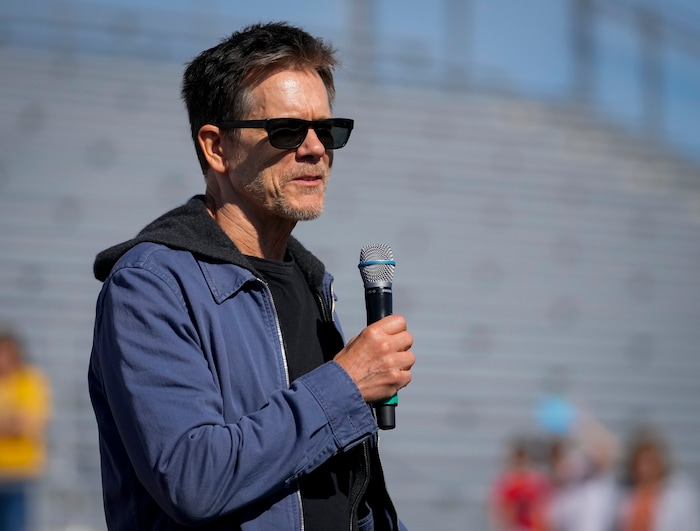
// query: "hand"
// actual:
[[378, 359]]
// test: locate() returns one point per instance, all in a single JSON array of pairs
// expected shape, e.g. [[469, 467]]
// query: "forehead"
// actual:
[[289, 91]]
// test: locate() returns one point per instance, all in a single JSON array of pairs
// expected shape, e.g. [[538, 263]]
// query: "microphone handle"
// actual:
[[379, 302]]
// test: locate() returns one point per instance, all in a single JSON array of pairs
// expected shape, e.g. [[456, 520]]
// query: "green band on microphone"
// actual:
[[391, 401]]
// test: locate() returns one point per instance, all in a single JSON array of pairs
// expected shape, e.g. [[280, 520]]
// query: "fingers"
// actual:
[[393, 329], [379, 359], [391, 324]]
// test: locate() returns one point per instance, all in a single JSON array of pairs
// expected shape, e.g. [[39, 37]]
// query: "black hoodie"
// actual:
[[191, 228]]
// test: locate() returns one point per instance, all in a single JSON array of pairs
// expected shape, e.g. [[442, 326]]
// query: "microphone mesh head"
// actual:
[[377, 264]]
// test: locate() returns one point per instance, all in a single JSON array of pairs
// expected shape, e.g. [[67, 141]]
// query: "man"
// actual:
[[224, 396]]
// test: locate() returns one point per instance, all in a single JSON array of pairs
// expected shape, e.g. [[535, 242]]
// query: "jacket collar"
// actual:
[[190, 228]]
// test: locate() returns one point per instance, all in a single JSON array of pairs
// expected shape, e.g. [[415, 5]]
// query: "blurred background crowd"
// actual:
[[535, 167], [577, 475]]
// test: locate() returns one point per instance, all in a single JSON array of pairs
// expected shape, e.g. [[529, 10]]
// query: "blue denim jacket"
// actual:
[[199, 425]]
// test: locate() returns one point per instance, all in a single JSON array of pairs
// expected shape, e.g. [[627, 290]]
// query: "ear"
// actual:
[[211, 142]]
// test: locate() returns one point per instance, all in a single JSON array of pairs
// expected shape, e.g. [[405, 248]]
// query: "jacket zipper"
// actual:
[[285, 363], [279, 332], [365, 482], [326, 313]]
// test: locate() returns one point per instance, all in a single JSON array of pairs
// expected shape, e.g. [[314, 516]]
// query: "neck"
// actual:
[[254, 237]]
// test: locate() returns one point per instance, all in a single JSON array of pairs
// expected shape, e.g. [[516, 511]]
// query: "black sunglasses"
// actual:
[[289, 133]]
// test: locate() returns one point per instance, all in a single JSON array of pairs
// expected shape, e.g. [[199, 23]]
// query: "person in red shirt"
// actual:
[[519, 493]]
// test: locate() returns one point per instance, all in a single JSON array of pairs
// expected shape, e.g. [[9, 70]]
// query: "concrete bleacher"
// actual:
[[539, 250]]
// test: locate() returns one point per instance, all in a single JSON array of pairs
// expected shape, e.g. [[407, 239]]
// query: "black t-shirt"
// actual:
[[308, 343]]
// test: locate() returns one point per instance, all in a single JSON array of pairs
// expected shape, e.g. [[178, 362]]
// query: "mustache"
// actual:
[[311, 171]]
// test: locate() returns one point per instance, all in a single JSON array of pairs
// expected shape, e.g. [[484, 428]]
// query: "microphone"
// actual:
[[377, 271]]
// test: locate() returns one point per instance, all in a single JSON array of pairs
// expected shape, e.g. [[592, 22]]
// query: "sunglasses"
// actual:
[[289, 133]]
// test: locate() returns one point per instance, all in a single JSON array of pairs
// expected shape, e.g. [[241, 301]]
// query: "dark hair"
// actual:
[[644, 439], [215, 83]]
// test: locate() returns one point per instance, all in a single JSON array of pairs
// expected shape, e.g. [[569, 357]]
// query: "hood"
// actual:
[[191, 228]]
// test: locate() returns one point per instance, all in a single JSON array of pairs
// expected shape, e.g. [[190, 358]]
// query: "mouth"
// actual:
[[308, 180]]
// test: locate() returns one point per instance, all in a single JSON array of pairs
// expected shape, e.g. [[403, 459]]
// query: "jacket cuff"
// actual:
[[349, 416]]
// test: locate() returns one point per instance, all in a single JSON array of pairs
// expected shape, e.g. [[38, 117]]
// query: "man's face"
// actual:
[[277, 183]]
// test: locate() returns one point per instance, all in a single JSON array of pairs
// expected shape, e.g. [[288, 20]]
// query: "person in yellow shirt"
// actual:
[[24, 413]]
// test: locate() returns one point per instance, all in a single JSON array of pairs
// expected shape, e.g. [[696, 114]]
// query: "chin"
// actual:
[[301, 212], [305, 215]]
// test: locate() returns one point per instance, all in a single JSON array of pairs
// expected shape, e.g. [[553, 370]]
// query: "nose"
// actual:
[[311, 146]]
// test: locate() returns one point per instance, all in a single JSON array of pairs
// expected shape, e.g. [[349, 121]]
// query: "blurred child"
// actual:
[[518, 495]]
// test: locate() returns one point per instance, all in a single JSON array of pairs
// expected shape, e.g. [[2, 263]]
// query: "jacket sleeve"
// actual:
[[168, 409]]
